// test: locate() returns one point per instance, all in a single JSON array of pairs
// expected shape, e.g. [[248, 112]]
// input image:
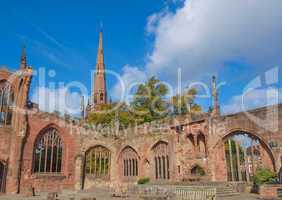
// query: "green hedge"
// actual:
[[144, 180], [263, 176]]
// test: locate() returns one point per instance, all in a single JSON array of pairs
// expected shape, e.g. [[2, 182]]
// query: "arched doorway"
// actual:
[[2, 177], [245, 153], [197, 171]]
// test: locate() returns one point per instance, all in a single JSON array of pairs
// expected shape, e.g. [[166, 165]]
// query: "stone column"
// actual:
[[246, 165], [252, 156], [231, 159], [195, 143], [238, 161], [79, 172]]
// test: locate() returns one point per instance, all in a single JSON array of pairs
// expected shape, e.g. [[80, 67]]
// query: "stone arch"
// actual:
[[60, 132], [158, 142], [256, 136], [228, 155], [197, 170], [126, 147]]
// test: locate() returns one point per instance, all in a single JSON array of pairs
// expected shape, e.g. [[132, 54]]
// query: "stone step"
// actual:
[[225, 191]]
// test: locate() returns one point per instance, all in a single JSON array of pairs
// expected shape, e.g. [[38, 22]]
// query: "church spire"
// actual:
[[100, 55], [23, 59], [99, 94]]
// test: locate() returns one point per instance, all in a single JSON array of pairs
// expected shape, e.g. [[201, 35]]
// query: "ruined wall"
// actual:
[[46, 182], [264, 124], [141, 143]]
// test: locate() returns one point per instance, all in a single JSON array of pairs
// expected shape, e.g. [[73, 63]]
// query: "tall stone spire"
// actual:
[[215, 111], [99, 94], [23, 59]]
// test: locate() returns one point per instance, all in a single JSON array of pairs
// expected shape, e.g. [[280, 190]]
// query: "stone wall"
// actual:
[[66, 179], [270, 191]]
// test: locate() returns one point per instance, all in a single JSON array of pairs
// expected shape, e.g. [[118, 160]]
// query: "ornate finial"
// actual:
[[214, 91], [215, 111], [23, 58]]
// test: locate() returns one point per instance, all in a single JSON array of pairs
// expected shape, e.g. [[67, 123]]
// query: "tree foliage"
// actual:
[[149, 103], [185, 103], [264, 175], [110, 114]]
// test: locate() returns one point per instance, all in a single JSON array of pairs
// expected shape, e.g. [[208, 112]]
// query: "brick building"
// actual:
[[48, 152]]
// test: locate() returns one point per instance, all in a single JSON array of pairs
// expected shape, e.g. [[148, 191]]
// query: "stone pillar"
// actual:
[[231, 159], [252, 157], [79, 172], [246, 165], [238, 161], [195, 143]]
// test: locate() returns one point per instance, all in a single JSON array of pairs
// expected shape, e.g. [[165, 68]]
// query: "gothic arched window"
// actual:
[[98, 162], [161, 160], [101, 97], [129, 159], [48, 152], [6, 103]]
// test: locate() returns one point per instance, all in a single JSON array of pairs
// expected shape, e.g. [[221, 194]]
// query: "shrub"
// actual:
[[144, 180], [264, 176]]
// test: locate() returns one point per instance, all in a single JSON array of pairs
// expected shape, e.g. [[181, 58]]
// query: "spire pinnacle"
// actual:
[[215, 111], [23, 58], [101, 40]]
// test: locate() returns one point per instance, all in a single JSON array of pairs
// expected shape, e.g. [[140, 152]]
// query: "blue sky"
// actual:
[[235, 40]]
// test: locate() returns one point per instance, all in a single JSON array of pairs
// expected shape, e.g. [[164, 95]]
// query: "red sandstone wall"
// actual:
[[70, 147]]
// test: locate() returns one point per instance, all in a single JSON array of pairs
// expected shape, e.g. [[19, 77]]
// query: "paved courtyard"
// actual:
[[101, 195]]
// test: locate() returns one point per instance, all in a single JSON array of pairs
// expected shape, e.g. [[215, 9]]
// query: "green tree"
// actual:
[[108, 114], [183, 104], [149, 103], [264, 175]]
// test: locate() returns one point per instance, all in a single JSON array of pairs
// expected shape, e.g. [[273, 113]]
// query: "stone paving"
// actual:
[[107, 196]]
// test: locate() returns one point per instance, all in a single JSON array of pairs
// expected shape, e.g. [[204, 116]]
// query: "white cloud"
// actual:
[[203, 34], [130, 75], [57, 99], [253, 99]]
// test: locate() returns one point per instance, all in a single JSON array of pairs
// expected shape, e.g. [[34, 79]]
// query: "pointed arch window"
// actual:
[[98, 162], [6, 103], [161, 160], [129, 160], [48, 152]]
